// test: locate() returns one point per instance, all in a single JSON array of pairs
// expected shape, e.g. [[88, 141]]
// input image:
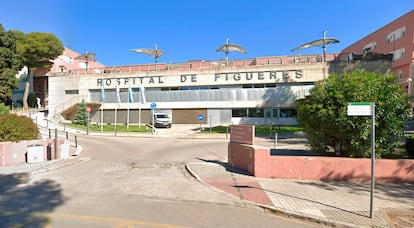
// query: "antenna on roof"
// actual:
[[320, 42]]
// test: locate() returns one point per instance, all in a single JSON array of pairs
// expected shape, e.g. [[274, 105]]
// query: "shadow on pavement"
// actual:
[[22, 202], [301, 198]]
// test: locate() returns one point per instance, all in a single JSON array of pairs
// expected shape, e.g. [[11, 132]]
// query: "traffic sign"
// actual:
[[153, 106], [200, 117], [359, 109]]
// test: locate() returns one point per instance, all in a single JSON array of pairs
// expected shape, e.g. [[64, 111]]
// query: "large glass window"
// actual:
[[239, 112], [256, 112], [284, 113]]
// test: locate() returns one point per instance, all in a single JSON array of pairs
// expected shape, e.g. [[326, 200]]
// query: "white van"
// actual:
[[162, 120]]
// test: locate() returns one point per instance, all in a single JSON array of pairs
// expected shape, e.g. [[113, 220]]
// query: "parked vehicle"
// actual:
[[162, 120]]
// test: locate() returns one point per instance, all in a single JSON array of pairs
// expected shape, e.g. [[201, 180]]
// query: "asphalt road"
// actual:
[[131, 182]]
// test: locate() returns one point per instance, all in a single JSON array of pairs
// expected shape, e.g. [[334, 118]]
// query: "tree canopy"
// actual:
[[323, 114], [37, 50], [10, 64], [34, 50]]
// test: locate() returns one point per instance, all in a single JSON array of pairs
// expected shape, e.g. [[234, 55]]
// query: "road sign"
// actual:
[[88, 109], [153, 106], [359, 109], [200, 117]]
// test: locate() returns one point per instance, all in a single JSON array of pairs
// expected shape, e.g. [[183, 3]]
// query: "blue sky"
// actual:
[[192, 30]]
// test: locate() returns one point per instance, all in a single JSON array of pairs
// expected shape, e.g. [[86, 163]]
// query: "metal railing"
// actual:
[[198, 65]]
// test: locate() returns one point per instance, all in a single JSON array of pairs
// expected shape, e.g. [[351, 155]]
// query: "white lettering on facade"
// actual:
[[273, 75]]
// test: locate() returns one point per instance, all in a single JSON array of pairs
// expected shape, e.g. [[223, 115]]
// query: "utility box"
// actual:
[[35, 154]]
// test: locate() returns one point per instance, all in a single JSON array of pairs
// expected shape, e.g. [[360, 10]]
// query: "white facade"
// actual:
[[224, 95]]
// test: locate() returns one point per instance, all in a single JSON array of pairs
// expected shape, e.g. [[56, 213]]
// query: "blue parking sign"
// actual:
[[200, 117], [153, 106]]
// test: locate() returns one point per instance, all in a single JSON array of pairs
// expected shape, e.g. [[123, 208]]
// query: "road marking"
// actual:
[[118, 221]]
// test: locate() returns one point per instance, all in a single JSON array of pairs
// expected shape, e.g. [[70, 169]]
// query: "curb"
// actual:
[[59, 166], [73, 159]]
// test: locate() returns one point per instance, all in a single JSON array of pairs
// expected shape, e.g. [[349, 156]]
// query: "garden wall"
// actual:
[[257, 161], [31, 151]]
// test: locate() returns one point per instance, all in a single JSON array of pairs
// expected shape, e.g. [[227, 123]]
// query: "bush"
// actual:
[[4, 109], [16, 128], [409, 146]]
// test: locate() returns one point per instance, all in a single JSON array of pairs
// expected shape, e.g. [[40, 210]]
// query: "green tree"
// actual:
[[10, 64], [81, 117], [323, 114], [37, 49]]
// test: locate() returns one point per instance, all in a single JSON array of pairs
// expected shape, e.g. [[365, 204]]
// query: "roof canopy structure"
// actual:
[[226, 48], [153, 52], [86, 57], [320, 43]]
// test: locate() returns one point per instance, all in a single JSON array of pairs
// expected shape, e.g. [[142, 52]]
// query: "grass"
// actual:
[[110, 128], [259, 130]]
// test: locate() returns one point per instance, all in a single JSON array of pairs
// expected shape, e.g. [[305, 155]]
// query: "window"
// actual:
[[239, 112], [72, 91], [256, 112], [287, 113], [399, 53]]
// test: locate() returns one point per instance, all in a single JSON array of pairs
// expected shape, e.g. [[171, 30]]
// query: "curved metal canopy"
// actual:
[[320, 42], [226, 48], [231, 47], [86, 57], [152, 52]]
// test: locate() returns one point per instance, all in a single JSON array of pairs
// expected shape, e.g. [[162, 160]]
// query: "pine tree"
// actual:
[[81, 117]]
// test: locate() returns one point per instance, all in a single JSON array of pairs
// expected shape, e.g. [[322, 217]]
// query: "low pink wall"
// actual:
[[14, 153], [257, 161]]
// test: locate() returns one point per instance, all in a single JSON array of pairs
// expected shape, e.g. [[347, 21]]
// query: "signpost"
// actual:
[[367, 109], [153, 107], [200, 118], [88, 110]]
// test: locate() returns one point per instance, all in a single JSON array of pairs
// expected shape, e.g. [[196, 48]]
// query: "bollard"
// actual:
[[67, 135], [76, 141], [56, 143], [227, 132], [275, 140]]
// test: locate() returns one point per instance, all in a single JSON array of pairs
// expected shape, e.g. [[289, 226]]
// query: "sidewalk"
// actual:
[[339, 204]]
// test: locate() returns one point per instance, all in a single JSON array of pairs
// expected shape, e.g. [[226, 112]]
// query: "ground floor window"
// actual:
[[239, 112], [288, 113], [261, 112], [255, 112]]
